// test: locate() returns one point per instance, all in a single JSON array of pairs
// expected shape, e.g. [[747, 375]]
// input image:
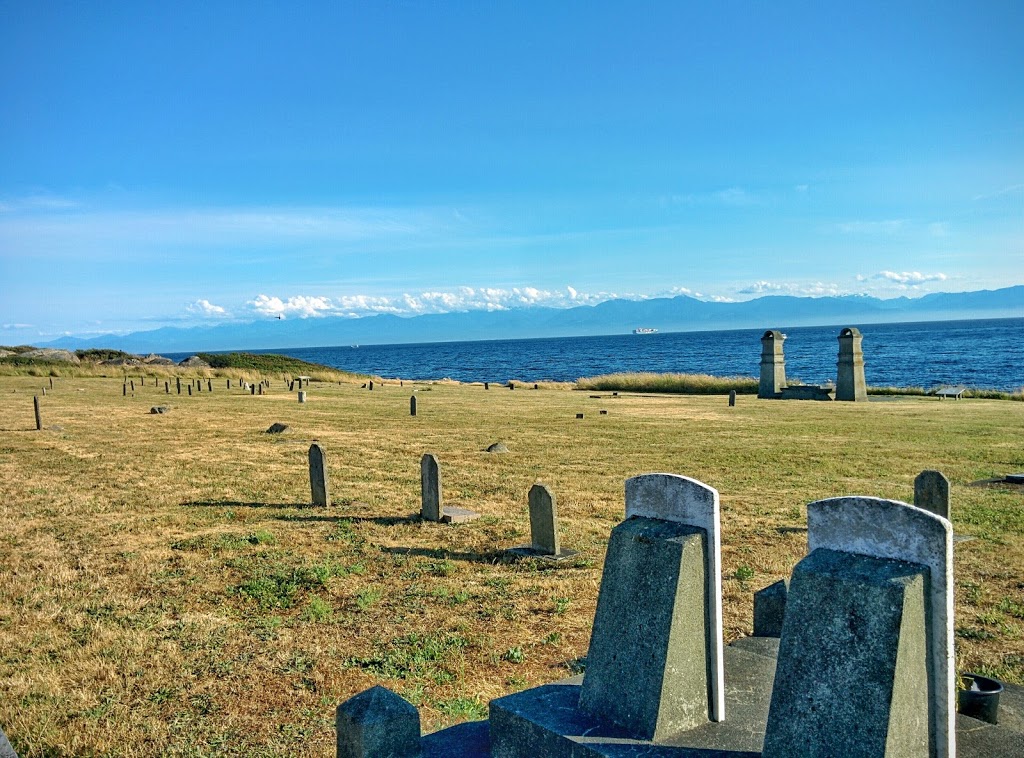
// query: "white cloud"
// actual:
[[19, 326], [206, 308], [302, 306], [730, 196], [999, 193], [40, 202], [890, 226], [802, 187], [800, 289], [909, 278]]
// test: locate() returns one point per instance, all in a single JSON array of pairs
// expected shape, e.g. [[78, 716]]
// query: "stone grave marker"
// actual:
[[209, 385], [430, 488], [412, 405], [655, 665], [167, 388], [178, 382], [190, 389], [732, 398], [544, 540], [124, 390], [487, 385], [770, 609], [866, 654], [277, 428], [302, 396], [318, 484], [377, 723], [931, 492], [39, 417]]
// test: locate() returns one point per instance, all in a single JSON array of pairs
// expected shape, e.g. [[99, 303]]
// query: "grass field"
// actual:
[[166, 589]]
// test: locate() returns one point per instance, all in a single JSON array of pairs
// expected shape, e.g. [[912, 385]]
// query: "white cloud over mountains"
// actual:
[[459, 299], [206, 308]]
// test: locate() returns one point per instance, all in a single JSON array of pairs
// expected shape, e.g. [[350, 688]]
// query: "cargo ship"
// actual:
[[645, 330]]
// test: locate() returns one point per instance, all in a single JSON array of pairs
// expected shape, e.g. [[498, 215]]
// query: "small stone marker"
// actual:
[[277, 428], [430, 488], [39, 418], [770, 609], [44, 391], [511, 386], [318, 484], [544, 521], [603, 412], [497, 447], [209, 385], [931, 492], [124, 390], [487, 385], [178, 381], [870, 611], [228, 384], [133, 385], [536, 386], [261, 388], [51, 382], [377, 723], [252, 389], [579, 415], [371, 385], [656, 661], [412, 405], [732, 398], [158, 409], [302, 396], [190, 389], [167, 388]]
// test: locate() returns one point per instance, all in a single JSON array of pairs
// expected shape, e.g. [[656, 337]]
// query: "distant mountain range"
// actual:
[[676, 314]]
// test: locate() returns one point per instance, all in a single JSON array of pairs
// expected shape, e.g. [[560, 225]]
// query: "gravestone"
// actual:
[[209, 385], [377, 723], [579, 415], [850, 383], [178, 382], [655, 665], [261, 388], [371, 385], [277, 428], [732, 398], [770, 609], [318, 484], [430, 488], [228, 384], [773, 365], [602, 412], [866, 656], [931, 492], [487, 385], [252, 389], [159, 409], [124, 390], [51, 382], [543, 521], [302, 396], [39, 417], [291, 386], [6, 749], [511, 386], [167, 388], [496, 447], [133, 385], [199, 386], [190, 389], [412, 405]]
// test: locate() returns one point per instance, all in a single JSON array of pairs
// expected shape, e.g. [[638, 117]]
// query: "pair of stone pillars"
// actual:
[[850, 382]]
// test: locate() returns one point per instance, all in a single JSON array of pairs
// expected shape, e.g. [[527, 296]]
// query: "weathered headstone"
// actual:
[[732, 398], [866, 655], [277, 428], [178, 382], [773, 365], [770, 609], [496, 447], [261, 388], [39, 417], [371, 385], [412, 405], [302, 396], [6, 749], [252, 389], [167, 388], [190, 389], [487, 385], [44, 391], [602, 412], [544, 521], [579, 415], [318, 483], [430, 488], [850, 382], [377, 723], [931, 492], [511, 386], [159, 409], [655, 665]]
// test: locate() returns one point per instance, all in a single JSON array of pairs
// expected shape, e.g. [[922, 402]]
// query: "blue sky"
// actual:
[[192, 163]]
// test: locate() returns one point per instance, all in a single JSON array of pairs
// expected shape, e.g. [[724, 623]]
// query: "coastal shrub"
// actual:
[[680, 384]]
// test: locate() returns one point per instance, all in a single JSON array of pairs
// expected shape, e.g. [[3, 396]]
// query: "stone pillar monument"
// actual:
[[850, 384], [773, 365]]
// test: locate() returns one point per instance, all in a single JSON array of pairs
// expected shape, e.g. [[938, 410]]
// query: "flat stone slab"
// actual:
[[1014, 478], [527, 551], [452, 515]]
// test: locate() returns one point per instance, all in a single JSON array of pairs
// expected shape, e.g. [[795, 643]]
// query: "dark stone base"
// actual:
[[545, 722]]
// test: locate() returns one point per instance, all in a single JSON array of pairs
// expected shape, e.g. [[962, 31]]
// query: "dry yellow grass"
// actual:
[[167, 590]]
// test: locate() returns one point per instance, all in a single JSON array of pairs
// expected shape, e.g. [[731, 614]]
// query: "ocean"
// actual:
[[986, 354]]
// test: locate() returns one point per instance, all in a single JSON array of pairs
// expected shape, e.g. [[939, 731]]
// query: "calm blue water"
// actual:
[[981, 354]]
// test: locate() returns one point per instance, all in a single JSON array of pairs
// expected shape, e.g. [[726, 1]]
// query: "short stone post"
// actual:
[[732, 398], [931, 492], [51, 382], [371, 385], [377, 723], [773, 365], [167, 388], [190, 390], [133, 385], [850, 383], [430, 488], [544, 521], [656, 660], [412, 405], [511, 386], [199, 385], [252, 389], [261, 388], [39, 418], [867, 643], [44, 391], [209, 385], [124, 390], [228, 384], [142, 381], [178, 381], [487, 385], [302, 396], [770, 609], [318, 484]]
